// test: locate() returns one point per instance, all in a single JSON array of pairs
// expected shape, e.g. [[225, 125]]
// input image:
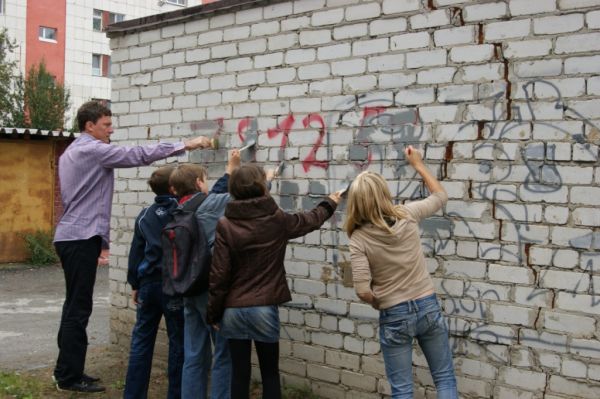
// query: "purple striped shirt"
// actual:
[[86, 172]]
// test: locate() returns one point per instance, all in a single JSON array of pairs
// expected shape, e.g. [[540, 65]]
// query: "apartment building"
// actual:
[[69, 36]]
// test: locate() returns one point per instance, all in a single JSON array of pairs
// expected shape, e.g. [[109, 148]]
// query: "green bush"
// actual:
[[40, 248]]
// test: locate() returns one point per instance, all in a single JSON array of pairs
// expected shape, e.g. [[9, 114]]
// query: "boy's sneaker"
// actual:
[[81, 386]]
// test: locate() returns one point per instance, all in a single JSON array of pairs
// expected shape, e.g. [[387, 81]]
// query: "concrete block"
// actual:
[[384, 26], [430, 19], [481, 12], [525, 7], [409, 41], [507, 30], [558, 24], [350, 31], [454, 36], [363, 11]]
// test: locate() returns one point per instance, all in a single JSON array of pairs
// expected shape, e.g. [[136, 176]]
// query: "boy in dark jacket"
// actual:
[[144, 274]]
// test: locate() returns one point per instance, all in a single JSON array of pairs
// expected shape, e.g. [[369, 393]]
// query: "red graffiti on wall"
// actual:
[[372, 118], [369, 113], [242, 127], [311, 159], [283, 127]]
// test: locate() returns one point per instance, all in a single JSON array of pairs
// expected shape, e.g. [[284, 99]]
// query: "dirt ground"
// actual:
[[108, 363]]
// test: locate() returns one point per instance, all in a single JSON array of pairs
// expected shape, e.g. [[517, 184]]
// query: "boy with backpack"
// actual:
[[189, 183], [145, 275]]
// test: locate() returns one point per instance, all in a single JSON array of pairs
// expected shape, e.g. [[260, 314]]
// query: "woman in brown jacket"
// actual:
[[247, 277]]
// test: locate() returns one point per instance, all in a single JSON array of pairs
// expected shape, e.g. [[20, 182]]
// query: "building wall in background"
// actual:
[[70, 58], [504, 99], [48, 15], [13, 18], [84, 42]]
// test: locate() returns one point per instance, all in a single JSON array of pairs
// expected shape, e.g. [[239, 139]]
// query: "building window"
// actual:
[[100, 65], [101, 19], [47, 34], [97, 64], [113, 18], [97, 20], [177, 2]]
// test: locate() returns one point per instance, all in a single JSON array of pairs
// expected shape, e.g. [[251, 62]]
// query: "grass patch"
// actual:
[[40, 248], [16, 386]]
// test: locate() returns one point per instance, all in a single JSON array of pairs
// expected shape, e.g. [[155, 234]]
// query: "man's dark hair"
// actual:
[[159, 180], [248, 181], [91, 111]]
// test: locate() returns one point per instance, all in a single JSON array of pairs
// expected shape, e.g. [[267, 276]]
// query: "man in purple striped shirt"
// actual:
[[86, 173]]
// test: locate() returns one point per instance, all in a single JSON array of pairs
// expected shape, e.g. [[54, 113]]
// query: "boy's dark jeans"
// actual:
[[79, 261], [152, 305]]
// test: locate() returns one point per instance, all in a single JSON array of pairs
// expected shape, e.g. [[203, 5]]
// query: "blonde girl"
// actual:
[[389, 271]]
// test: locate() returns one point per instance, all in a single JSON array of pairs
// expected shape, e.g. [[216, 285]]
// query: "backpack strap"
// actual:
[[193, 203]]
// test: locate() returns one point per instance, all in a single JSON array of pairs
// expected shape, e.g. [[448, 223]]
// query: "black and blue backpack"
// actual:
[[186, 254]]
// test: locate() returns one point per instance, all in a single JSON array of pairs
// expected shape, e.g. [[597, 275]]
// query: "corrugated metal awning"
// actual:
[[15, 132]]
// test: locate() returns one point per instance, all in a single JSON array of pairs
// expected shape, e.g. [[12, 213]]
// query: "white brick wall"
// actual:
[[504, 101]]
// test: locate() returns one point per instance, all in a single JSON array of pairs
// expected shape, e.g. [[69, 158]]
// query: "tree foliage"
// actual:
[[45, 98], [38, 101], [11, 85]]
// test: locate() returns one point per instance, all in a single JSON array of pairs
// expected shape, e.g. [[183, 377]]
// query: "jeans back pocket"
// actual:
[[398, 332], [436, 321]]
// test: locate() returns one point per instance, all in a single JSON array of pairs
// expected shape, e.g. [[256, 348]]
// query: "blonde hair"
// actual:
[[370, 201]]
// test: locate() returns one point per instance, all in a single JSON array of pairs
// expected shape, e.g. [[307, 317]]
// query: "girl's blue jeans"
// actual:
[[399, 325]]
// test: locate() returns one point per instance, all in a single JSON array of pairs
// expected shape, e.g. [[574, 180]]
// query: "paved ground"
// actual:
[[30, 305]]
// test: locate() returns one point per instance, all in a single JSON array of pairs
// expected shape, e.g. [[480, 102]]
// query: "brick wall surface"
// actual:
[[504, 99]]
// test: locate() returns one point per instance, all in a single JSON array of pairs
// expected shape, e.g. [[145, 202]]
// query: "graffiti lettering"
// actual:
[[311, 159]]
